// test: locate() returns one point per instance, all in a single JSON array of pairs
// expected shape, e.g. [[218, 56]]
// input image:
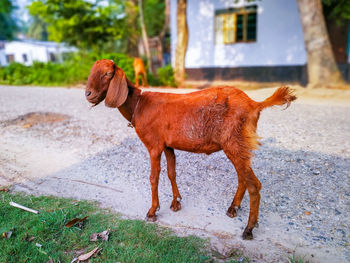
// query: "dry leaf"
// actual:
[[94, 237], [27, 125], [89, 255], [4, 190], [79, 252], [307, 213], [31, 239], [74, 221], [103, 235], [7, 235]]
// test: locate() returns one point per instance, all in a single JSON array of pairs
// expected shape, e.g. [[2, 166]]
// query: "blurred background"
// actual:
[[182, 42]]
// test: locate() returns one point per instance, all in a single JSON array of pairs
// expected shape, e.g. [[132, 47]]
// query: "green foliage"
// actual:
[[154, 12], [295, 259], [166, 76], [129, 240], [338, 9], [7, 22], [83, 24], [92, 26], [75, 69]]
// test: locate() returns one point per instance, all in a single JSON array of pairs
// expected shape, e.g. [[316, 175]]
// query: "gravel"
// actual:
[[303, 165]]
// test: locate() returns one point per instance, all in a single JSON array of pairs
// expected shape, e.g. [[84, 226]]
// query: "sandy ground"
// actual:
[[90, 154]]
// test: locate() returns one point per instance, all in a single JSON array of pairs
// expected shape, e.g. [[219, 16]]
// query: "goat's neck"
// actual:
[[128, 107]]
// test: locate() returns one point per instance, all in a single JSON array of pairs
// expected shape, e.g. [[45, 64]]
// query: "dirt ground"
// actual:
[[52, 143]]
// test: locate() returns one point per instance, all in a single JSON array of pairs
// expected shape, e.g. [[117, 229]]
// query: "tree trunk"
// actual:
[[181, 43], [145, 38], [321, 66]]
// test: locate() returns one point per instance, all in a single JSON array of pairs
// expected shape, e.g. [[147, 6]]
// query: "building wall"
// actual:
[[2, 57], [279, 36], [34, 51]]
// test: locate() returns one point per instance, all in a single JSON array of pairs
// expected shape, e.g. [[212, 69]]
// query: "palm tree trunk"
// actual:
[[321, 66], [182, 41]]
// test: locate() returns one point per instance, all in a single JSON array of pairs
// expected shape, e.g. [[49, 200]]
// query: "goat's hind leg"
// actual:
[[237, 200], [154, 179], [144, 79], [249, 181], [171, 163]]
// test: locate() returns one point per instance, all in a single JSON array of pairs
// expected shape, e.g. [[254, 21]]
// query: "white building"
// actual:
[[242, 40], [28, 51]]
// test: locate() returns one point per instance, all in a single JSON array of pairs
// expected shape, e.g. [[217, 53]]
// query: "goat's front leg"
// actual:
[[154, 179], [171, 163]]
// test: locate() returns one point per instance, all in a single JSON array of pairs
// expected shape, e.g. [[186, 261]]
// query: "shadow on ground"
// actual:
[[304, 196]]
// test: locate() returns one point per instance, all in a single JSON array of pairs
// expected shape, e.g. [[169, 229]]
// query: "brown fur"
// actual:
[[139, 68], [205, 121]]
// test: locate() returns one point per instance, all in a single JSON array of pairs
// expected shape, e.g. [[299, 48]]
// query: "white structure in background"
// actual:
[[273, 29], [242, 37], [28, 51]]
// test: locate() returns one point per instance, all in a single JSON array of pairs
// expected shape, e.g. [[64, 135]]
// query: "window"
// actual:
[[25, 59], [235, 25], [10, 58], [52, 57]]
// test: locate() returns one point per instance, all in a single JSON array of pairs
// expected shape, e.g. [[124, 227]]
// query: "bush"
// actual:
[[74, 70], [166, 76]]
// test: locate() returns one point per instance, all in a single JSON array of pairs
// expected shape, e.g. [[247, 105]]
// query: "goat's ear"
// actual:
[[117, 90]]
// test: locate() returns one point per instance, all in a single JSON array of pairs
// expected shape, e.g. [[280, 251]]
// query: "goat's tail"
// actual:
[[283, 95]]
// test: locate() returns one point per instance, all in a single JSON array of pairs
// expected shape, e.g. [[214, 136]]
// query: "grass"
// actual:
[[129, 240], [296, 259]]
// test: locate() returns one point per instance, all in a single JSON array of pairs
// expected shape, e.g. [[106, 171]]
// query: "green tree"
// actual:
[[7, 22], [338, 9], [154, 13], [86, 25]]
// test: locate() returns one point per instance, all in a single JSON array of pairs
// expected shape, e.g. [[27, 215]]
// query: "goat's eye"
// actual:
[[109, 74]]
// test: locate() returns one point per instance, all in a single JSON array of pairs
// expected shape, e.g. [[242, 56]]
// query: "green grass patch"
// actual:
[[296, 259], [129, 240]]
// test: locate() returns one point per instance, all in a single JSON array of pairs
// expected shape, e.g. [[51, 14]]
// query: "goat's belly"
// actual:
[[206, 148]]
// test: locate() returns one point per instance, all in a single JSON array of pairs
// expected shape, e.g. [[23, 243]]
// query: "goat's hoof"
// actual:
[[175, 206], [247, 234], [231, 212], [151, 218]]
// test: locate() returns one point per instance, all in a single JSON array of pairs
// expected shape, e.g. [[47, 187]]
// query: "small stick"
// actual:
[[24, 208]]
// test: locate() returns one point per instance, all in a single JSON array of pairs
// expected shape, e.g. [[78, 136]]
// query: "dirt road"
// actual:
[[51, 142]]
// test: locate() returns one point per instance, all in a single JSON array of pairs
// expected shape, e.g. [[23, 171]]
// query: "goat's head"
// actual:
[[106, 81]]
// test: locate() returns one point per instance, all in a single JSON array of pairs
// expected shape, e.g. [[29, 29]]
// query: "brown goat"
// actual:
[[205, 121], [139, 68]]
